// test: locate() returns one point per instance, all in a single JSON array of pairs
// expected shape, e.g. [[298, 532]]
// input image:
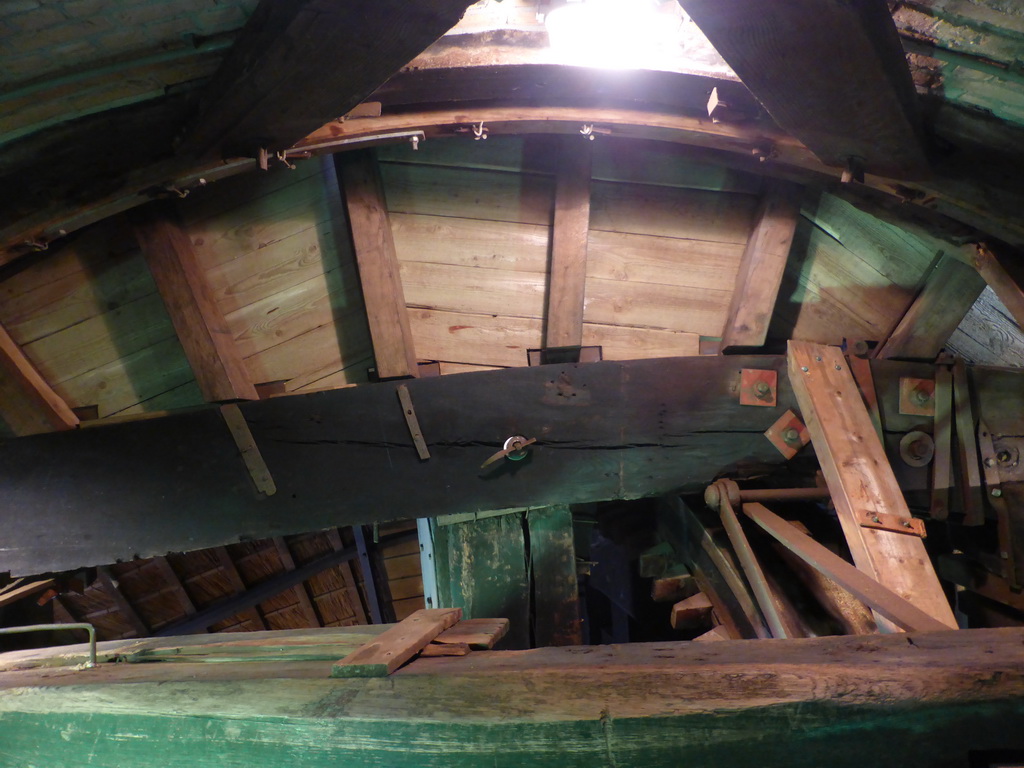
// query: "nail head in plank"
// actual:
[[394, 647]]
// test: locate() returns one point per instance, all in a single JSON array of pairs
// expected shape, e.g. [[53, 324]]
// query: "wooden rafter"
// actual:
[[761, 267], [564, 318], [198, 321], [862, 105], [227, 564], [172, 580], [19, 369], [276, 85], [124, 607], [860, 479], [949, 292], [1004, 280], [379, 272], [300, 591]]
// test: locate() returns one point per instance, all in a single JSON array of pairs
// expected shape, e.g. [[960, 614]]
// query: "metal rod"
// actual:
[[784, 494], [50, 627]]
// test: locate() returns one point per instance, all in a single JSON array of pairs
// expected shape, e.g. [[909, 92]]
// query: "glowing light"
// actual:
[[613, 34]]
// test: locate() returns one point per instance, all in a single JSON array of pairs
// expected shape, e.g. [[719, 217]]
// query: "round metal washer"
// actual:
[[917, 448]]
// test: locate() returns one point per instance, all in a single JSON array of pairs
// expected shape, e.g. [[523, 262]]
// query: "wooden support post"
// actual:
[[860, 478], [761, 268], [251, 612], [204, 333], [556, 609], [967, 447], [19, 369], [299, 590], [564, 318], [949, 292], [379, 272], [942, 435], [1007, 284], [125, 608]]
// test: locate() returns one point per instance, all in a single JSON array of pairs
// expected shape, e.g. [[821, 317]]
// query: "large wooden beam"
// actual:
[[831, 72], [568, 274], [204, 333], [605, 431], [299, 63], [860, 479], [949, 292], [379, 272], [761, 268], [1003, 277], [48, 408], [944, 699]]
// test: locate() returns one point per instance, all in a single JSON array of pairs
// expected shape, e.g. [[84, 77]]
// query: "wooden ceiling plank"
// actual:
[[227, 564], [300, 591], [860, 479], [124, 607], [348, 577], [30, 382], [831, 72], [949, 292], [379, 271], [564, 318], [169, 575], [762, 266], [1003, 278], [277, 82], [200, 325]]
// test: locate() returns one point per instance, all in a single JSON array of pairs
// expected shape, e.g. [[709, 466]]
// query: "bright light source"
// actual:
[[613, 34]]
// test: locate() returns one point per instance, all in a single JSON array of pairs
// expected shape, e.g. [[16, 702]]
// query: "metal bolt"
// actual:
[[804, 369], [906, 524], [922, 397], [839, 367], [790, 435], [997, 492], [874, 519], [990, 462], [818, 359]]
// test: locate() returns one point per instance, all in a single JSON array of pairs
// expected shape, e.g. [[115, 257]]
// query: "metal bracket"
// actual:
[[412, 422], [994, 493], [788, 434], [886, 522], [758, 387], [247, 447], [917, 397]]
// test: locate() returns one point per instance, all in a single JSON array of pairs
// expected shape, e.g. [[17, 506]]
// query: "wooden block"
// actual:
[[387, 652], [712, 635], [673, 588], [445, 649], [481, 634], [654, 562], [691, 612]]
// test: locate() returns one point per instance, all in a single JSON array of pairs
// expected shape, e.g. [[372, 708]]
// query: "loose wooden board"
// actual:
[[389, 650], [479, 634]]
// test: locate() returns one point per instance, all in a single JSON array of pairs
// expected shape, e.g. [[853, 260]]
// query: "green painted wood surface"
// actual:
[[556, 610], [896, 700]]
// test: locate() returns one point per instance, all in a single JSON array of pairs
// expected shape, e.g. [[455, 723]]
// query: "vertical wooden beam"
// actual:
[[949, 292], [1008, 286], [19, 369], [301, 595], [379, 272], [199, 323], [556, 608], [124, 607], [568, 274], [860, 479], [231, 571], [761, 267]]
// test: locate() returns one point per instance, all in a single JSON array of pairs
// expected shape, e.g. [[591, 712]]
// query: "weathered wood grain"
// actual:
[[563, 318], [395, 646], [18, 369], [556, 609]]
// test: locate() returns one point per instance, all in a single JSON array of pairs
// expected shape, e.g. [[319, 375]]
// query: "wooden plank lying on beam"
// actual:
[[663, 424], [19, 369], [276, 85], [860, 104], [949, 292], [860, 478], [762, 266], [887, 603], [1007, 282], [564, 317], [390, 650], [379, 273], [940, 700], [204, 333]]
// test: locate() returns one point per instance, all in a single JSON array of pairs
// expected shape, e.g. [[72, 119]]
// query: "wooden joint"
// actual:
[[895, 523]]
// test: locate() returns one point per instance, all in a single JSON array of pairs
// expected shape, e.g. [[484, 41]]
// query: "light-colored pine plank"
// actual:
[[471, 242], [988, 335], [992, 266], [667, 165], [392, 648], [393, 345], [478, 339], [200, 325], [480, 634], [663, 260], [860, 478], [449, 368], [761, 269], [621, 343], [674, 308], [949, 292], [468, 289], [720, 217], [18, 368], [563, 319], [470, 194]]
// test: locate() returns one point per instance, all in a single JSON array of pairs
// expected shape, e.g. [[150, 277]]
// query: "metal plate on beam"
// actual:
[[788, 434], [917, 397], [758, 387], [884, 522]]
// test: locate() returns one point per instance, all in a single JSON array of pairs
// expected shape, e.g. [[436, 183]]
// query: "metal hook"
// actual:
[[479, 132], [283, 157], [588, 130], [37, 245], [415, 141]]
